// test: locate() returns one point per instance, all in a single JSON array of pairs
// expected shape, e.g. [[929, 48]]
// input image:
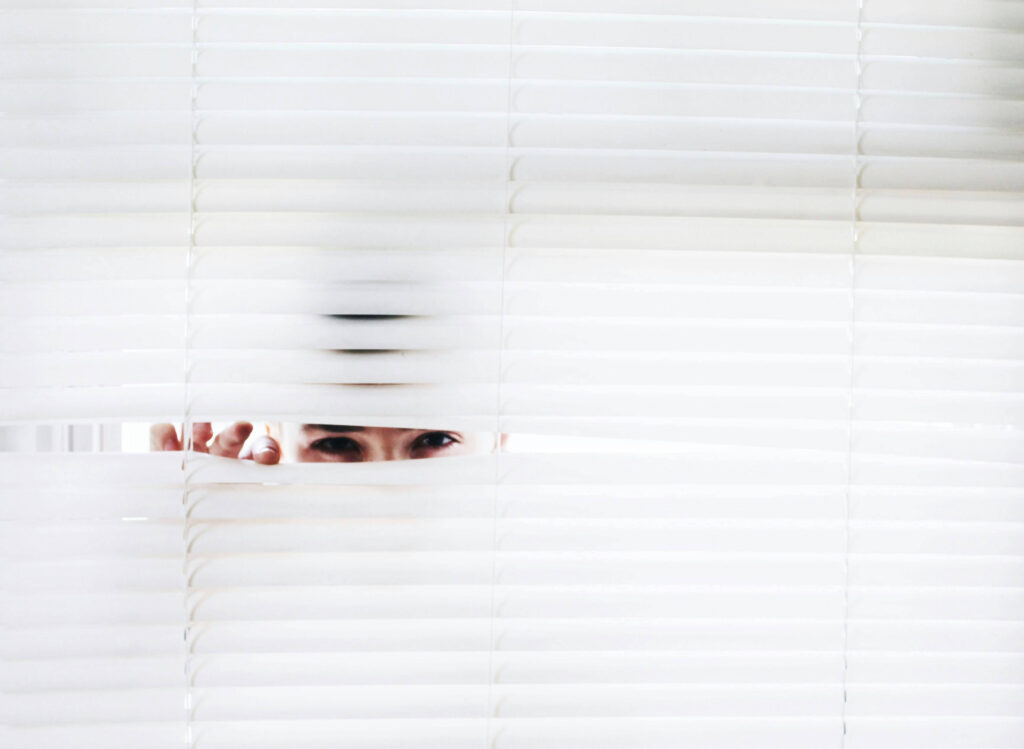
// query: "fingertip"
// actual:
[[266, 452], [202, 431], [163, 437], [267, 456], [241, 430]]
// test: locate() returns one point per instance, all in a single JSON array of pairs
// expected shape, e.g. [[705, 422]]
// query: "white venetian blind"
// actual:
[[753, 270]]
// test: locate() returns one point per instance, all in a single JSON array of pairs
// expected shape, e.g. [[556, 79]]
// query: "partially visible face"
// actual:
[[322, 443]]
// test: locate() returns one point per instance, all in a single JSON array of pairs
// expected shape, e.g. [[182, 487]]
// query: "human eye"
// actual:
[[342, 447], [429, 443]]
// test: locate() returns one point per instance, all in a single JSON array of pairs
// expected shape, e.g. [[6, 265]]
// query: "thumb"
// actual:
[[263, 450]]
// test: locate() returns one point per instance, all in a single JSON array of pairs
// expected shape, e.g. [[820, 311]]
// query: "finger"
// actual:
[[163, 437], [264, 450], [202, 431], [230, 441]]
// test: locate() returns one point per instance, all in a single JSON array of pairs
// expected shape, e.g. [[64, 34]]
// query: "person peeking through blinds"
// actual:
[[320, 443]]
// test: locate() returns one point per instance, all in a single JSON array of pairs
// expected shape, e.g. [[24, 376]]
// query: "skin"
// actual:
[[322, 443]]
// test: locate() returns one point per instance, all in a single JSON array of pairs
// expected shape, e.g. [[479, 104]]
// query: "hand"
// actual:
[[228, 444]]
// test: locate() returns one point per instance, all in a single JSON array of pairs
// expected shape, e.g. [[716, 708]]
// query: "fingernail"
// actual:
[[265, 452]]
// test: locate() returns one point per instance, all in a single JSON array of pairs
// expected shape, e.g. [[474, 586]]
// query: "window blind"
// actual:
[[769, 252]]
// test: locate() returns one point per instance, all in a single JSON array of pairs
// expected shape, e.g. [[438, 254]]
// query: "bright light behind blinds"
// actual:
[[782, 239]]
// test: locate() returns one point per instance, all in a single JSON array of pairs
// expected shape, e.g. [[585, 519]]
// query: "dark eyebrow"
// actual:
[[342, 428], [337, 428]]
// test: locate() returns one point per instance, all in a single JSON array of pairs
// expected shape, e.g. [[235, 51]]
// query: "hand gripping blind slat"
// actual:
[[742, 282]]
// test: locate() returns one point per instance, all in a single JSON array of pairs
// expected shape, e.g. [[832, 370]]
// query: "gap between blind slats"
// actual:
[[41, 197], [964, 14], [877, 636], [703, 468]]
